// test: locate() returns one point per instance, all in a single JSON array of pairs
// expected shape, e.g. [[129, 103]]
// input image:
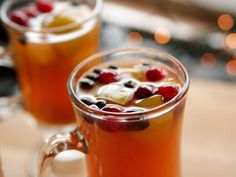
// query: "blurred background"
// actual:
[[201, 33]]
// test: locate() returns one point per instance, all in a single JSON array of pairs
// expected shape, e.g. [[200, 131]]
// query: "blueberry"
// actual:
[[87, 100], [130, 84], [93, 77], [23, 39], [137, 125], [101, 103], [87, 83], [97, 71], [113, 67]]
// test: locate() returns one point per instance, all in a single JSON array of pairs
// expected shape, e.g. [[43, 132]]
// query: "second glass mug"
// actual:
[[152, 152], [45, 57]]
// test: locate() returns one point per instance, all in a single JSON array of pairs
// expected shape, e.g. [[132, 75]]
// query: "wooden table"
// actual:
[[209, 144]]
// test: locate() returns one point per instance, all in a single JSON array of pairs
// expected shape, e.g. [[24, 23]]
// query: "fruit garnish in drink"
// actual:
[[49, 14], [116, 89]]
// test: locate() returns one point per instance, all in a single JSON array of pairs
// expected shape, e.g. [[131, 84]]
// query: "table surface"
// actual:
[[208, 146]]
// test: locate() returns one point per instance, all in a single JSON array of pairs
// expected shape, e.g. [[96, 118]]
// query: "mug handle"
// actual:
[[59, 143]]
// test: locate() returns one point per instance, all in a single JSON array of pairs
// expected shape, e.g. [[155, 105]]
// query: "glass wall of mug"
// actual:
[[116, 144], [47, 49]]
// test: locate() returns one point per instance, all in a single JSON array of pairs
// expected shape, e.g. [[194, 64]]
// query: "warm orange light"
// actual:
[[162, 36], [231, 40], [135, 37], [208, 60], [225, 22], [231, 67]]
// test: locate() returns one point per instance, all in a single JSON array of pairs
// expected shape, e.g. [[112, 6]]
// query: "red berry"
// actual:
[[109, 125], [144, 91], [113, 108], [168, 92], [107, 77], [44, 6], [155, 74], [31, 11], [19, 17]]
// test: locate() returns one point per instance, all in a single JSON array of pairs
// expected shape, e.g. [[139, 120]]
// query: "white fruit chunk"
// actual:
[[115, 93]]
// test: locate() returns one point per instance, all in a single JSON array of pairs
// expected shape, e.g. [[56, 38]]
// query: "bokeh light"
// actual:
[[208, 60], [225, 22], [162, 36], [231, 67], [135, 38], [230, 40]]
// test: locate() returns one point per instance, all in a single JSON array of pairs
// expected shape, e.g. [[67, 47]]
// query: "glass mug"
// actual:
[[152, 152], [45, 57]]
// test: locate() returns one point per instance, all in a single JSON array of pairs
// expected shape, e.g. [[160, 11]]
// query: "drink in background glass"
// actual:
[[129, 105], [48, 39]]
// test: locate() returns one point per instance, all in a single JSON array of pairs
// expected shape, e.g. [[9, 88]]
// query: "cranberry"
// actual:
[[144, 91], [113, 108], [44, 6], [31, 11], [107, 77], [19, 17], [109, 125], [168, 92], [155, 74], [137, 125]]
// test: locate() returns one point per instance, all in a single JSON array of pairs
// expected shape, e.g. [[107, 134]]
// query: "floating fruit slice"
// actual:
[[115, 93], [150, 102], [139, 71], [58, 21]]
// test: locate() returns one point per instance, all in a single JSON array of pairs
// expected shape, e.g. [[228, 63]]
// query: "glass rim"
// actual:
[[160, 110], [5, 19]]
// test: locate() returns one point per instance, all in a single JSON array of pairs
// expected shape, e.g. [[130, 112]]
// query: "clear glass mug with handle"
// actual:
[[149, 151], [47, 49]]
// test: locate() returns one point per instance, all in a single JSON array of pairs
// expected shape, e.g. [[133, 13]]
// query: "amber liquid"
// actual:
[[43, 69], [152, 152]]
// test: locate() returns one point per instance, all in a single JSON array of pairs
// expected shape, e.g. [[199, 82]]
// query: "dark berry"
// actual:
[[144, 91], [93, 76], [109, 125], [137, 125], [23, 39], [44, 6], [155, 74], [76, 2], [101, 103], [146, 64], [113, 67], [19, 17], [130, 84], [97, 71], [133, 109], [86, 83], [31, 11], [168, 92], [107, 77], [113, 108], [87, 100]]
